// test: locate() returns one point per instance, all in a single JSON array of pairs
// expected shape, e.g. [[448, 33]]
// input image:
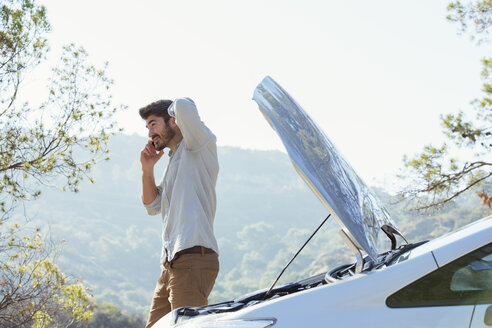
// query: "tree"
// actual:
[[476, 13], [437, 176], [108, 315], [33, 291], [55, 143]]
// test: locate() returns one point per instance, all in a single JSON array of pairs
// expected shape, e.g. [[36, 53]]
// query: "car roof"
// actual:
[[458, 242]]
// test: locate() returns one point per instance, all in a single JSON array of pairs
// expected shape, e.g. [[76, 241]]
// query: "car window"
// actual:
[[467, 280], [477, 275]]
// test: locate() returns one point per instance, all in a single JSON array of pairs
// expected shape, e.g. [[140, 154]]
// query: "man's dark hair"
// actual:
[[157, 108]]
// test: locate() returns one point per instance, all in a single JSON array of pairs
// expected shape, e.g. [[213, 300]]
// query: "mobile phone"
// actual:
[[153, 146]]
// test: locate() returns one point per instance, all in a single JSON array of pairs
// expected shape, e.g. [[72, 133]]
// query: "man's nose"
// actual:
[[151, 132]]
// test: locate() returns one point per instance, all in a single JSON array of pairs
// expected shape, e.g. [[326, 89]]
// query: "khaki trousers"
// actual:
[[185, 281]]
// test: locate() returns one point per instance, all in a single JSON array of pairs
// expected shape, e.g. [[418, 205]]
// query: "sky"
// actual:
[[374, 75]]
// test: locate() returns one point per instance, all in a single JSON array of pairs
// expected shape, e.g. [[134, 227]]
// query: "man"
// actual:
[[186, 199]]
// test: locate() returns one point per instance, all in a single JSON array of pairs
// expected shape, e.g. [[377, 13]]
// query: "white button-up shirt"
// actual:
[[186, 195]]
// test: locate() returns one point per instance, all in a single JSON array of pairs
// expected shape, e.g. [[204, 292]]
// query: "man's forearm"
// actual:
[[148, 187]]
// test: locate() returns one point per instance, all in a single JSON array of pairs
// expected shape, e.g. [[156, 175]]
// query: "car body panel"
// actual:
[[457, 243], [467, 244], [371, 316], [324, 169], [360, 301], [351, 291]]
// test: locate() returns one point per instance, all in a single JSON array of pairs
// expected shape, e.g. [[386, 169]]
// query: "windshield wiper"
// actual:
[[307, 241]]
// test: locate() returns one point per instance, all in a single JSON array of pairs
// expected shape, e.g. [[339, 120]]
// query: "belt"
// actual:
[[194, 250]]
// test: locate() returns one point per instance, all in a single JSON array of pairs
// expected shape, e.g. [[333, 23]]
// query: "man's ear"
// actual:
[[172, 122]]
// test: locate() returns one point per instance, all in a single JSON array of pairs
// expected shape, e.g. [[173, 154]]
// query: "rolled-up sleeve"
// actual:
[[154, 208], [195, 133]]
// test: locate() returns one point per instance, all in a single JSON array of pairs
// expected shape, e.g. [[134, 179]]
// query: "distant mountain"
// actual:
[[265, 212]]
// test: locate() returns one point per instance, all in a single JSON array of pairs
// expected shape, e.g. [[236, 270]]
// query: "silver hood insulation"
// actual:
[[325, 171]]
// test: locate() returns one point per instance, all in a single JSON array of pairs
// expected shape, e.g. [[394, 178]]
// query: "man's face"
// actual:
[[160, 132]]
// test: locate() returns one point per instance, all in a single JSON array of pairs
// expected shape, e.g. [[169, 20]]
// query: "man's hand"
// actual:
[[149, 156]]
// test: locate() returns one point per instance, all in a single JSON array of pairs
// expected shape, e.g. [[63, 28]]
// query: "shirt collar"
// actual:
[[171, 152]]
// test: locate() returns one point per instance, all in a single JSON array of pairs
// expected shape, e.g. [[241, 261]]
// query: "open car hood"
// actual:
[[325, 171]]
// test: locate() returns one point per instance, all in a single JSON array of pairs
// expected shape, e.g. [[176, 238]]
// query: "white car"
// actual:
[[445, 282]]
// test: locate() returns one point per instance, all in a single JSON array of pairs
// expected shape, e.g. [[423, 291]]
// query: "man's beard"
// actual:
[[163, 139]]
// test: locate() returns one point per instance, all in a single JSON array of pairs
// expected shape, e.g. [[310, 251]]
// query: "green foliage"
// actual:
[[64, 137], [108, 315], [68, 132], [437, 178], [475, 13], [38, 144], [33, 291], [22, 45]]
